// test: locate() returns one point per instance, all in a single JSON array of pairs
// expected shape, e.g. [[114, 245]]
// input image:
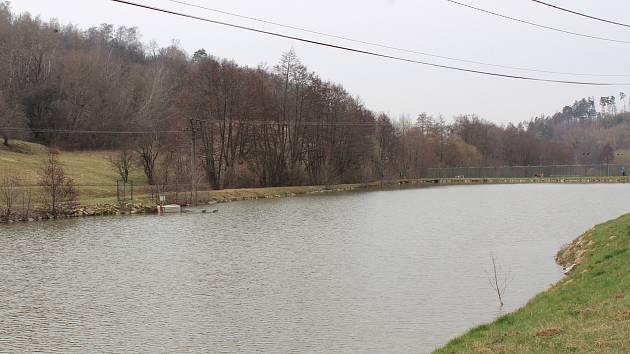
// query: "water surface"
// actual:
[[379, 272]]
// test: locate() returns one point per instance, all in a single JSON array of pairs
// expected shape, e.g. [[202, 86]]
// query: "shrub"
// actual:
[[59, 192]]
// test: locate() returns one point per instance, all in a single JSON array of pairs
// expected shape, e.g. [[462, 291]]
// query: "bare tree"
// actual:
[[266, 126], [498, 280], [215, 97], [10, 193], [607, 154], [11, 116], [148, 151], [122, 162], [27, 196], [604, 102], [182, 172], [59, 191]]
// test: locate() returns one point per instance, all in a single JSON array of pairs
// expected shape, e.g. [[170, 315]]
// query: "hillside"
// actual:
[[96, 178], [91, 170], [100, 88]]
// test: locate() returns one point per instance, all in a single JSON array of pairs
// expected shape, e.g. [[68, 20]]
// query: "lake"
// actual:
[[399, 271]]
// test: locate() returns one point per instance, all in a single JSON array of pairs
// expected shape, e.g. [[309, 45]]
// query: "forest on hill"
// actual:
[[104, 89]]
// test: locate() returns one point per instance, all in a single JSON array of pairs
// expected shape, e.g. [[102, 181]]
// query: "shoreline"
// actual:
[[588, 310], [143, 204]]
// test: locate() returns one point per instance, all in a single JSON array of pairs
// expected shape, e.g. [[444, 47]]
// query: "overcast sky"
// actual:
[[434, 26]]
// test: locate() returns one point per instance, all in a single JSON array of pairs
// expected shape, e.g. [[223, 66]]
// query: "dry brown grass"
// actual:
[[549, 332]]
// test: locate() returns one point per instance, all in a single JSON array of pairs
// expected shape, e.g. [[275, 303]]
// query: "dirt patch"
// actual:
[[481, 348], [584, 311], [569, 253], [623, 316], [549, 332], [576, 251]]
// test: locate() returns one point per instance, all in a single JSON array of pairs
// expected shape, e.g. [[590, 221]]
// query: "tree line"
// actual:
[[264, 126], [592, 136]]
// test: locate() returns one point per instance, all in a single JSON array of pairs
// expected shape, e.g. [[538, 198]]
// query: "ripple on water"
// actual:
[[396, 272]]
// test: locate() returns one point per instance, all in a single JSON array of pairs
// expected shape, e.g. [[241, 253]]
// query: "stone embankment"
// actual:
[[81, 211]]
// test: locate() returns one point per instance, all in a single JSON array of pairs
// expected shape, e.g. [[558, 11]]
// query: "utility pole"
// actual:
[[193, 168]]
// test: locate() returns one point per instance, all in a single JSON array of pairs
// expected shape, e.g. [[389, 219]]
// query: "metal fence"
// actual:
[[601, 170]]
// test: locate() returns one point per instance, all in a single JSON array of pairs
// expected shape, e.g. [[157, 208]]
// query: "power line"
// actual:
[[581, 14], [69, 131], [211, 122], [360, 51], [536, 24], [307, 123], [381, 45]]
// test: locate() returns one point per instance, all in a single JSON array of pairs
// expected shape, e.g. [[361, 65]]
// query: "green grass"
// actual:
[[91, 171], [588, 311]]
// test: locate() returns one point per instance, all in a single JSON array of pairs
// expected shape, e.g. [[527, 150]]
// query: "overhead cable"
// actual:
[[386, 46], [581, 14], [365, 52], [538, 25]]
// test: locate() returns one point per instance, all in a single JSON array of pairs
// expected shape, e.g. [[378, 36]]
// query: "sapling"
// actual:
[[498, 280]]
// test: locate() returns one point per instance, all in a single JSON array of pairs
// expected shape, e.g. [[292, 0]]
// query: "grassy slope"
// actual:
[[97, 178], [588, 311], [91, 170]]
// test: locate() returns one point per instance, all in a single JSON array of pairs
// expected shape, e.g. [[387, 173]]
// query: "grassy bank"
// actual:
[[588, 311]]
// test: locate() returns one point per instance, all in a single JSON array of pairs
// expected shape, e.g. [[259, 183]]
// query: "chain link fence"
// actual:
[[600, 170]]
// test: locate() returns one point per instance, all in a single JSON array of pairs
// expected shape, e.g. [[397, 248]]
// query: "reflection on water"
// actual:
[[396, 272]]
